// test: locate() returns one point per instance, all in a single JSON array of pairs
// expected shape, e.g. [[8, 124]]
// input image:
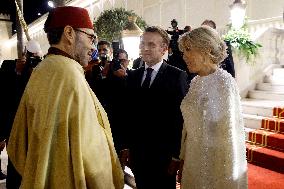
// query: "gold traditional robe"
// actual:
[[61, 136]]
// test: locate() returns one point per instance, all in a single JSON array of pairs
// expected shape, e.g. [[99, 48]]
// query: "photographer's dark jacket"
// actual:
[[12, 87], [228, 63]]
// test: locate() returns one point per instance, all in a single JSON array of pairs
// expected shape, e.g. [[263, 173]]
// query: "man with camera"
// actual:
[[97, 79], [116, 79], [120, 64], [108, 81]]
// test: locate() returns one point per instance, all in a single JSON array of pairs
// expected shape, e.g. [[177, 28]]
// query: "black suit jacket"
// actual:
[[137, 63], [155, 120], [228, 63]]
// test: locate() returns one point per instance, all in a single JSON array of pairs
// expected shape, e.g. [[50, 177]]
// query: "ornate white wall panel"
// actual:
[[121, 3], [136, 6], [96, 12], [260, 9], [152, 15], [107, 5], [169, 11], [222, 12], [199, 10], [148, 3], [161, 12]]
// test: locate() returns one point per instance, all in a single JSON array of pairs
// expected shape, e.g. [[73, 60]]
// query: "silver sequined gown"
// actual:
[[213, 144]]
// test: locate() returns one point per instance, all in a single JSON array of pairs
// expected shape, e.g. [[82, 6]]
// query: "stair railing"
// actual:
[[270, 34]]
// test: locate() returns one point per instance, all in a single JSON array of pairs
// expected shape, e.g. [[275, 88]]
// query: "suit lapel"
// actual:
[[140, 72], [159, 77]]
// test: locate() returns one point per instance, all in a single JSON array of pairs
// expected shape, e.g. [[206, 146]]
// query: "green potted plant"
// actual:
[[240, 40], [111, 22]]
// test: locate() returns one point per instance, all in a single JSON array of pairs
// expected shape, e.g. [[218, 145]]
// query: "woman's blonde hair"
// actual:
[[207, 40]]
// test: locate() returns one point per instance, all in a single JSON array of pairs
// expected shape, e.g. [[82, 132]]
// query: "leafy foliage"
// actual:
[[241, 40], [111, 22]]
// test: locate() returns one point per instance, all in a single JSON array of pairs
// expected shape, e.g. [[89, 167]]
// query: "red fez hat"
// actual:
[[73, 16]]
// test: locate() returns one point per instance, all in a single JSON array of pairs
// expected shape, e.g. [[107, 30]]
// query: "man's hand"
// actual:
[[120, 73], [173, 167], [124, 63], [2, 145], [105, 69], [20, 64], [124, 158], [180, 171]]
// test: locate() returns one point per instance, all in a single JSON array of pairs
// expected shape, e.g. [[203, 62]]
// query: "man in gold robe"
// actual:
[[61, 136]]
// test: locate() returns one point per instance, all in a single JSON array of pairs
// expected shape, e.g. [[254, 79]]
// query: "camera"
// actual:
[[103, 57], [33, 61], [116, 64]]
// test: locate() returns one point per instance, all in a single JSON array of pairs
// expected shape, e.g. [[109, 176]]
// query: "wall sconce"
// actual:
[[131, 38], [238, 12]]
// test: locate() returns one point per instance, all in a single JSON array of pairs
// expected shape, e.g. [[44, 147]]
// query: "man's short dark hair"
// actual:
[[103, 42], [210, 23], [120, 51], [161, 32], [54, 35]]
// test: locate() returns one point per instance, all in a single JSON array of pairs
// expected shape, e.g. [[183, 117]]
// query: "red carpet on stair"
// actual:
[[265, 153], [278, 112], [265, 146], [261, 178], [265, 157], [273, 124], [267, 139]]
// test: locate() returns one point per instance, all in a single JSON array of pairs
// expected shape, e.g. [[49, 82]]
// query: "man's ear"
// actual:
[[69, 34], [164, 47]]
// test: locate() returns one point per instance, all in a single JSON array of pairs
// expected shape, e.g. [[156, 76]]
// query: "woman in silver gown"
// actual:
[[213, 143]]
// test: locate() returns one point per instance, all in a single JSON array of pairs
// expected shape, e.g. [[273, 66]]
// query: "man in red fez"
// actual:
[[61, 136]]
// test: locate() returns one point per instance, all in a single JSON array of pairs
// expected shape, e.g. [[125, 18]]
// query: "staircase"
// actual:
[[263, 113]]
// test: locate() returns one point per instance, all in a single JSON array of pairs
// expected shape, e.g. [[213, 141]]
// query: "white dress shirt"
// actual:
[[155, 68]]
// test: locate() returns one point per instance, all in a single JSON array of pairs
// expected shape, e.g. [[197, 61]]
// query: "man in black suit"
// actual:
[[154, 124], [137, 63]]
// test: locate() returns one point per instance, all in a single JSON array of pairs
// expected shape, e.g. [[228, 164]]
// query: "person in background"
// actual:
[[61, 135], [213, 143], [92, 65], [2, 146], [154, 122], [105, 55], [174, 54], [175, 34], [138, 63], [228, 63], [100, 72], [117, 93], [187, 29], [14, 75]]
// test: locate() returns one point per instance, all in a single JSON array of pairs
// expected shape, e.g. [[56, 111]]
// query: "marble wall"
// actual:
[[161, 12]]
